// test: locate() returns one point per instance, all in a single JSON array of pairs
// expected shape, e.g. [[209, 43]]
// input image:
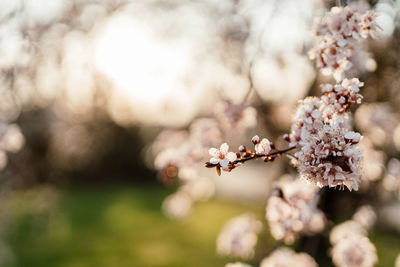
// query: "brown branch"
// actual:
[[256, 156], [249, 155]]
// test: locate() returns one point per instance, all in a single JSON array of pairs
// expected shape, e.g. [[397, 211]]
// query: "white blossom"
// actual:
[[263, 147], [354, 251], [339, 39], [177, 205], [327, 154], [365, 216], [221, 156], [351, 246], [239, 236], [292, 210]]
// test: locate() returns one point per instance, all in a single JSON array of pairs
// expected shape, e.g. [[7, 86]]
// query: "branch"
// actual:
[[248, 155]]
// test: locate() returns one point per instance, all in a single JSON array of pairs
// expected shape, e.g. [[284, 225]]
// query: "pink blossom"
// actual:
[[263, 147]]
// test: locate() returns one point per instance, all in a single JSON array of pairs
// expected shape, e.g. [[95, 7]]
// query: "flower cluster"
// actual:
[[292, 210], [328, 155], [239, 236], [351, 246], [339, 35]]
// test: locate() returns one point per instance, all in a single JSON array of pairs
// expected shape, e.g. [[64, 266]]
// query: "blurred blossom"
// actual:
[[396, 137], [236, 117], [346, 229], [386, 11], [206, 131], [373, 161], [354, 251], [284, 81], [238, 237], [278, 26], [351, 246], [9, 105], [285, 257], [90, 14], [281, 30], [292, 210], [177, 205], [199, 189], [365, 216], [377, 122], [34, 13], [168, 138], [391, 181], [397, 261], [180, 154], [11, 140], [77, 66]]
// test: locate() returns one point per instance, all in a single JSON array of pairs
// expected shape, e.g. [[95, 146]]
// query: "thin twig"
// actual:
[[268, 157], [256, 156], [251, 82]]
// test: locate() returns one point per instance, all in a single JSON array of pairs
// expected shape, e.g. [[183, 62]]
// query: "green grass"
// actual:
[[124, 226], [121, 227]]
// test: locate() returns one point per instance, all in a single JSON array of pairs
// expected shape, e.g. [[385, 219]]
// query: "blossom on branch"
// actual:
[[328, 155], [221, 156], [262, 147]]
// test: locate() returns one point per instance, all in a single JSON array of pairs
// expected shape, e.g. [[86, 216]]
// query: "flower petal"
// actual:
[[224, 148], [213, 152], [224, 163], [231, 156], [214, 160]]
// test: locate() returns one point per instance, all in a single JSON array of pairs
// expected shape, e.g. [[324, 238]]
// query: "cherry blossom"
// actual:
[[292, 210], [263, 147], [239, 236], [221, 156], [339, 35]]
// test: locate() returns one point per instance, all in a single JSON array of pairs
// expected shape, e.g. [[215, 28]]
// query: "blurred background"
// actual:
[[107, 109]]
